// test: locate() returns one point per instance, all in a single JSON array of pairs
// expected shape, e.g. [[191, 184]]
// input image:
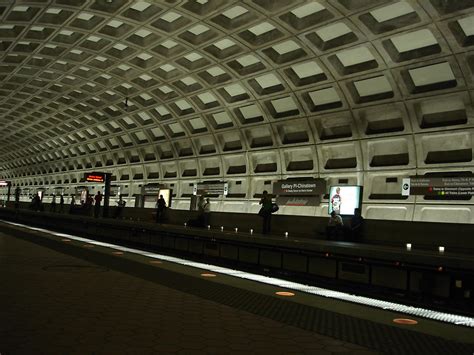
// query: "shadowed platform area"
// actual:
[[70, 296], [59, 304]]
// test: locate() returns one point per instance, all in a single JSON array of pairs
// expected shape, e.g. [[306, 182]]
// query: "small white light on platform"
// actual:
[[208, 227], [441, 249], [222, 228], [286, 234], [185, 224], [408, 246], [236, 229], [251, 231]]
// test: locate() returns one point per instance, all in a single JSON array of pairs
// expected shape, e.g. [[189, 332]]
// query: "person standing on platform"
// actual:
[[357, 223], [17, 197], [52, 208], [266, 212], [72, 205], [336, 201], [120, 205], [335, 226], [206, 207], [36, 203], [98, 200], [61, 203], [160, 209]]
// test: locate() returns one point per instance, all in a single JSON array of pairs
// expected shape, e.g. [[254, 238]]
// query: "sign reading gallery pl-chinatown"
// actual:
[[95, 177], [300, 188], [438, 186]]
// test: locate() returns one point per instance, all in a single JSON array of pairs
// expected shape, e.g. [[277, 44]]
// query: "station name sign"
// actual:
[[95, 177], [438, 186], [300, 188], [4, 183]]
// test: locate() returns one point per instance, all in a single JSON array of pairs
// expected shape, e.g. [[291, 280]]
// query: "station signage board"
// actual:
[[298, 200], [114, 190], [151, 189], [95, 177], [299, 188], [438, 186], [4, 183], [215, 188]]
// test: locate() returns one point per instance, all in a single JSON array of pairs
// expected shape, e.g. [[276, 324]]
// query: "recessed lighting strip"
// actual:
[[318, 291]]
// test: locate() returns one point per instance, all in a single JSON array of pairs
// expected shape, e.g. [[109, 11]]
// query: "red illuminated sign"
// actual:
[[95, 177]]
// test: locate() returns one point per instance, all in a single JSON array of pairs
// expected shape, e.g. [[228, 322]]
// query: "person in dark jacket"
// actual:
[[52, 207], [61, 204], [266, 212], [160, 209], [120, 206], [72, 205], [357, 224], [98, 200]]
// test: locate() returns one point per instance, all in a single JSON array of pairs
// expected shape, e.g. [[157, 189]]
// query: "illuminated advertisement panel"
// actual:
[[344, 199]]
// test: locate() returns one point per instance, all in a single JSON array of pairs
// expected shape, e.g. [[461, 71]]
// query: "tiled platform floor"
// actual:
[[57, 303], [53, 303]]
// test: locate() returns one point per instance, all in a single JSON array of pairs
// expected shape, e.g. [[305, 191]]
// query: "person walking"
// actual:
[[266, 212]]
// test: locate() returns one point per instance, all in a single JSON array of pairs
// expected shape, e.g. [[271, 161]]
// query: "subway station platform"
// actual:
[[416, 277], [68, 294]]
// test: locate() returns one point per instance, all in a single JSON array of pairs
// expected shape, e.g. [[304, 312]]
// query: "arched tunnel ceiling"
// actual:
[[337, 85]]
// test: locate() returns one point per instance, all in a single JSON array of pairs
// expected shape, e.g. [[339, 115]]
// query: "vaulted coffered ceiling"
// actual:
[[249, 87]]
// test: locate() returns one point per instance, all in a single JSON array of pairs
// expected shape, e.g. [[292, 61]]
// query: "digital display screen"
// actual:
[[344, 199], [94, 177]]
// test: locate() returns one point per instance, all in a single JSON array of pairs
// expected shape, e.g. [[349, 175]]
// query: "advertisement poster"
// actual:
[[344, 199]]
